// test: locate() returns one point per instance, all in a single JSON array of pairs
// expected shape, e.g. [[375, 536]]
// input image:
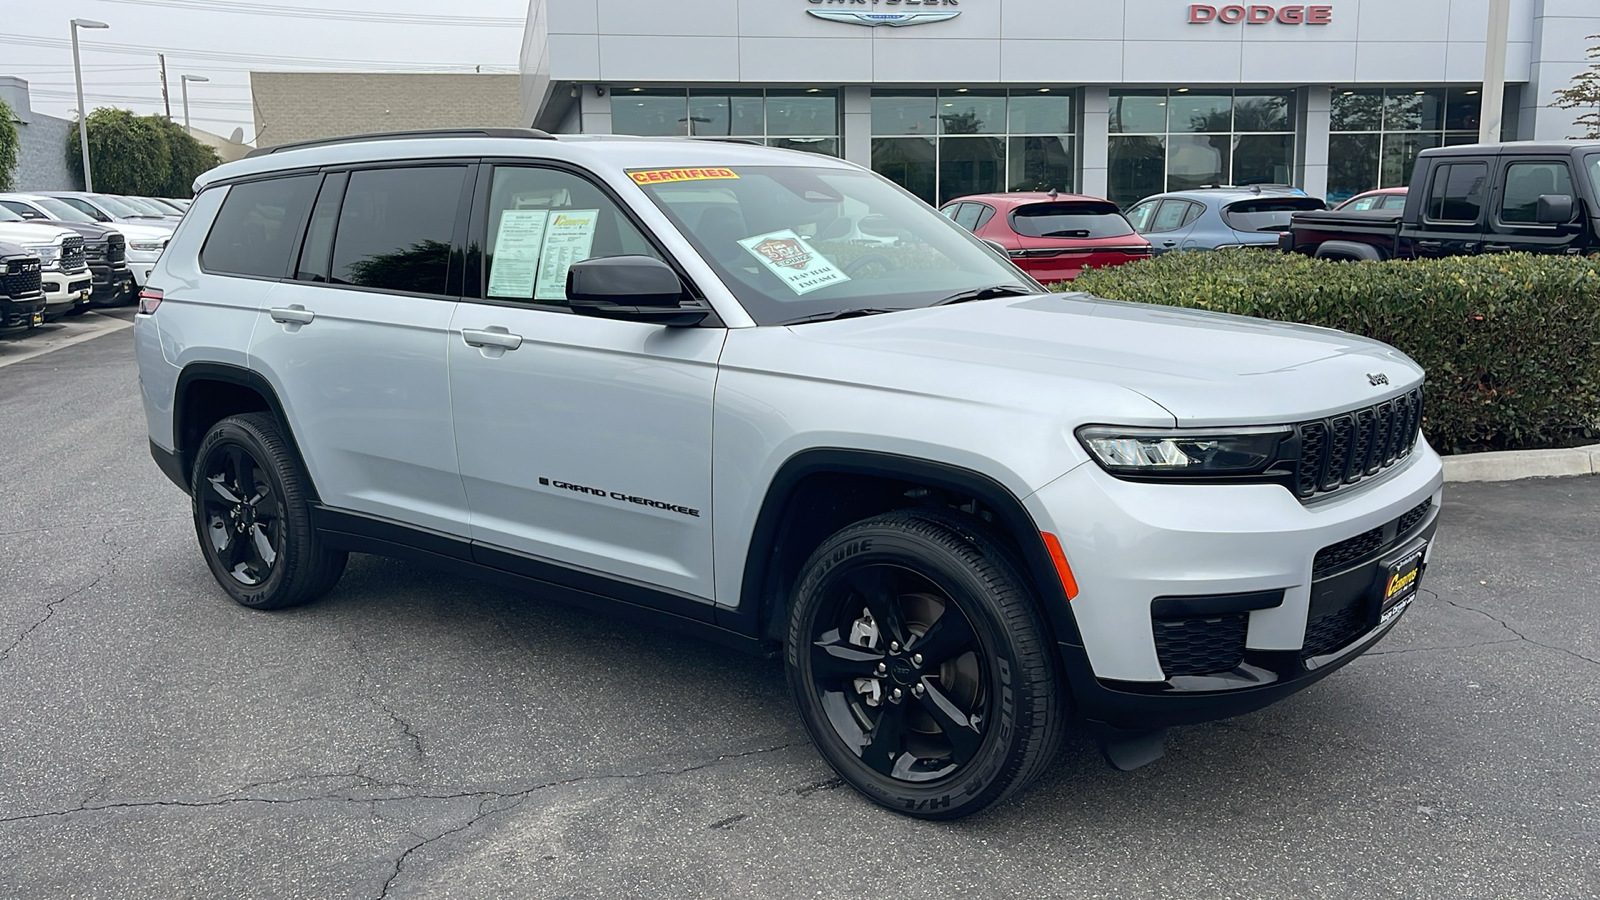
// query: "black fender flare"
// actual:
[[243, 377], [1348, 250], [755, 610]]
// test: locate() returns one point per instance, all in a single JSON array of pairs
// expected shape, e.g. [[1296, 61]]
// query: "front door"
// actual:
[[1515, 226], [585, 443]]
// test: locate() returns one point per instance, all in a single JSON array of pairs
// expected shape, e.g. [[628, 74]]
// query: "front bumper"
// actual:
[[63, 292], [112, 284], [1130, 545], [20, 315]]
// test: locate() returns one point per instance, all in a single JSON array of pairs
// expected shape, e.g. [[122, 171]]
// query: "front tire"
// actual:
[[920, 664], [252, 519]]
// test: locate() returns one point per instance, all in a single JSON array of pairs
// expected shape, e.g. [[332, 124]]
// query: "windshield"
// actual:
[[1267, 215], [7, 215], [64, 211], [145, 206], [116, 207], [797, 242], [1070, 220]]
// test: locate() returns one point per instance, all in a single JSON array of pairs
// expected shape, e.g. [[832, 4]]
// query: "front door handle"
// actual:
[[1430, 245], [493, 336], [295, 314], [1497, 248]]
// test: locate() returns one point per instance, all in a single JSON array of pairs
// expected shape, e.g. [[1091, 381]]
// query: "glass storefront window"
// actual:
[[726, 114], [1377, 134], [650, 112], [988, 141], [1202, 113], [797, 119], [1179, 139], [972, 113], [904, 112]]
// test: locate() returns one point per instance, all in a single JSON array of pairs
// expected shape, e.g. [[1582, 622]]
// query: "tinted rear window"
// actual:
[[1070, 220], [257, 226], [1266, 214], [395, 228]]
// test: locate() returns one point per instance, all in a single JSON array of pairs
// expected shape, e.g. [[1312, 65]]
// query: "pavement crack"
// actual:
[[1519, 635], [50, 606], [478, 815]]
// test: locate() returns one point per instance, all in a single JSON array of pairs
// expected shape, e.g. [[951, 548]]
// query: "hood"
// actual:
[[137, 232], [1206, 369], [33, 232], [91, 233]]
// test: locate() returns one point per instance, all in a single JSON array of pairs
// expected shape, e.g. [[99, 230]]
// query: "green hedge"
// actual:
[[1511, 343]]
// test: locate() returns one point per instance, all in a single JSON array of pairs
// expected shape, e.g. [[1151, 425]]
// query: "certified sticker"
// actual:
[[657, 176]]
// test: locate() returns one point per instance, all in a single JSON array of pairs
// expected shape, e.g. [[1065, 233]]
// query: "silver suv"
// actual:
[[663, 379]]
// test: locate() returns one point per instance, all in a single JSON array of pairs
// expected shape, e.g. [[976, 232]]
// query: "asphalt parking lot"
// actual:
[[415, 735]]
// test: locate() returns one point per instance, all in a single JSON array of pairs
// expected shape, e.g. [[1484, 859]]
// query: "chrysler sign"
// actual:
[[872, 13], [1234, 14]]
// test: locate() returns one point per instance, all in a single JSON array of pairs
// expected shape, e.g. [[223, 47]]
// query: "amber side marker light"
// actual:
[[1057, 556]]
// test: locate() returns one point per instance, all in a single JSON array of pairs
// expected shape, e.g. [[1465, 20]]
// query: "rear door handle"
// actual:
[[294, 314], [493, 336], [1430, 245], [1497, 248]]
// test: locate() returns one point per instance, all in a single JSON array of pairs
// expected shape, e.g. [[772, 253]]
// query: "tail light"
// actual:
[[149, 300]]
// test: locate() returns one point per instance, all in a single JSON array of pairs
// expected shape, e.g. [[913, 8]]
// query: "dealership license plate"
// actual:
[[1403, 579], [38, 318]]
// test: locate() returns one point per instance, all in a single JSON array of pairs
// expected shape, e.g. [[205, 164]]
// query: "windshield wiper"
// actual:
[[987, 293], [839, 314]]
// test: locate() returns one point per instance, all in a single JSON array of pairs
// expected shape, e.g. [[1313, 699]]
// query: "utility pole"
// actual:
[[184, 79], [165, 101], [1492, 113]]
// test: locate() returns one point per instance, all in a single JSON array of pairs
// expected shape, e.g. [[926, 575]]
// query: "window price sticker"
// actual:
[[788, 256]]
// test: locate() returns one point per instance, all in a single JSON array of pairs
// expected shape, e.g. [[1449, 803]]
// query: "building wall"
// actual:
[[42, 150], [300, 106], [1562, 31]]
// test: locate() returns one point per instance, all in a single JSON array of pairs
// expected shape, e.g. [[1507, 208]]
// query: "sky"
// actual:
[[223, 40]]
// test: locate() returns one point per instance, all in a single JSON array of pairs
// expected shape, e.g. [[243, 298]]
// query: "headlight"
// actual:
[[1184, 452], [147, 246], [47, 253]]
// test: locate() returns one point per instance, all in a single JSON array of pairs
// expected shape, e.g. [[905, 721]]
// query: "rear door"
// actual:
[[1171, 225], [1514, 225], [355, 342], [1454, 204], [585, 443]]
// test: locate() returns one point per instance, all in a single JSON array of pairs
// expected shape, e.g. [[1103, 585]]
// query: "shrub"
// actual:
[[8, 146], [1511, 343], [145, 156]]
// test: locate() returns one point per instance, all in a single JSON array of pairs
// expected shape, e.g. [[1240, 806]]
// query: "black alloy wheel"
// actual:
[[920, 664], [252, 520]]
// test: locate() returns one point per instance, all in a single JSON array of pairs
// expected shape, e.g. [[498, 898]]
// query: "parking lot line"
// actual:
[[58, 335]]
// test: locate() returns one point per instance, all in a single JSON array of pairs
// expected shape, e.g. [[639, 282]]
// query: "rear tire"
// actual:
[[921, 666], [252, 519]]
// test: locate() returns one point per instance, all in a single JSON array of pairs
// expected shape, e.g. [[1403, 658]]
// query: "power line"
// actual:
[[258, 59], [346, 15]]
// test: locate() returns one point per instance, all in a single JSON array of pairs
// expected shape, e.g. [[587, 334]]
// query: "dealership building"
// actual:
[[1117, 98]]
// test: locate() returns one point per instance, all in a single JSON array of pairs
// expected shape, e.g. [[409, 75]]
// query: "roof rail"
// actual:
[[530, 133]]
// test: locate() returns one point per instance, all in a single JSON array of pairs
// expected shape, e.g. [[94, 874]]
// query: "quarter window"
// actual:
[[257, 226], [1457, 194], [541, 221], [1526, 182], [395, 229]]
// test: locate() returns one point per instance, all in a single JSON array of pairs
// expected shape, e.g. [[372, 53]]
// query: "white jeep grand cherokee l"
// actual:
[[658, 378]]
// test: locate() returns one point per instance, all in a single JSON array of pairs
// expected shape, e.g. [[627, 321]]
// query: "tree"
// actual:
[[1584, 94], [8, 146], [144, 156]]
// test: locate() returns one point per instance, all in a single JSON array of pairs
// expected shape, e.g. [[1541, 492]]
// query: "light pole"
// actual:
[[83, 111], [186, 79], [1492, 112]]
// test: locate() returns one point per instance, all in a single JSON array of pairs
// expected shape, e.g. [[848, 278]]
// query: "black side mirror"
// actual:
[[1554, 209], [637, 288]]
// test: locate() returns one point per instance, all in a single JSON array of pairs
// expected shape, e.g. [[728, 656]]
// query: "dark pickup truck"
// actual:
[[21, 300], [1481, 198]]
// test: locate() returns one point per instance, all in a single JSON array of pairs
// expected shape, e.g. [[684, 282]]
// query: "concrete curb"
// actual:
[[1511, 465]]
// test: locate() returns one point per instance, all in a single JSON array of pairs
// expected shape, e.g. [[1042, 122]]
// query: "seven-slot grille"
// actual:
[[1344, 449], [21, 279], [72, 254]]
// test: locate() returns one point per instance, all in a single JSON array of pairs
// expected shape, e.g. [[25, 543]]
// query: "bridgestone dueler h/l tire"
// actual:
[[979, 719], [300, 569]]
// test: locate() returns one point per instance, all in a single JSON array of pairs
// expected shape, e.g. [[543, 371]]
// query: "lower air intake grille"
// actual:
[[1201, 645]]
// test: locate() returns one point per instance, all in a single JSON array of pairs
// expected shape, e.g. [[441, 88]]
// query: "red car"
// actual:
[[1052, 237], [1382, 198]]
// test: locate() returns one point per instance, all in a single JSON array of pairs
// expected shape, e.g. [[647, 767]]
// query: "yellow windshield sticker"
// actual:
[[656, 176]]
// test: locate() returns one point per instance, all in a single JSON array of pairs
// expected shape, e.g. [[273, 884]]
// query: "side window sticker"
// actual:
[[787, 255]]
